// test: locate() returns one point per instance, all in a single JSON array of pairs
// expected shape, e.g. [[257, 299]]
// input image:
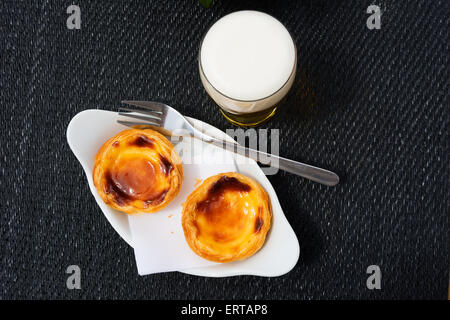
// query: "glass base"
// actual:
[[251, 119]]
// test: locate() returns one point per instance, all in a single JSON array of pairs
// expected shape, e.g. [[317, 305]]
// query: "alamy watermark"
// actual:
[[374, 20], [210, 152], [74, 280], [374, 280], [74, 20]]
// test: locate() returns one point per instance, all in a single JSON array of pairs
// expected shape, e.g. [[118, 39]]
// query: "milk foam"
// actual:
[[247, 55]]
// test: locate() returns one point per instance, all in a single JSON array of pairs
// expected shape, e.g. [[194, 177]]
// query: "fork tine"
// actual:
[[131, 123], [148, 120], [134, 124], [150, 105], [152, 114]]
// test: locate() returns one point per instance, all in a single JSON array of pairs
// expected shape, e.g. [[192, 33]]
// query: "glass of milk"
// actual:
[[247, 65]]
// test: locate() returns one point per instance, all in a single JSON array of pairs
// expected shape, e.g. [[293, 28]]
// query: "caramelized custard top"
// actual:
[[229, 213], [136, 175]]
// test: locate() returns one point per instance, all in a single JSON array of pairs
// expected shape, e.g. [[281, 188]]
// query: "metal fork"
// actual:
[[168, 121]]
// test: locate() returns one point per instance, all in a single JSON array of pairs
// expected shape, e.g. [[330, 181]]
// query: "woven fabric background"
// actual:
[[370, 105]]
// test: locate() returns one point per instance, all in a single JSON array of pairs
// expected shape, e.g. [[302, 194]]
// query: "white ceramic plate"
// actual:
[[87, 132]]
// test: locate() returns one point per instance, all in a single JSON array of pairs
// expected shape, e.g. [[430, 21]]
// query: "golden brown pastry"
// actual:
[[227, 217], [137, 171]]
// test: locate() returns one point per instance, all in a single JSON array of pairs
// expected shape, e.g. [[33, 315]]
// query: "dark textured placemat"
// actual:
[[368, 104]]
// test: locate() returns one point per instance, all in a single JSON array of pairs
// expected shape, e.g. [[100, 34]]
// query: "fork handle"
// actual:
[[301, 169], [316, 174]]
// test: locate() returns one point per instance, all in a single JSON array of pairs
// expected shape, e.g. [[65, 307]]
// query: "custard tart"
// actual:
[[227, 217], [138, 170]]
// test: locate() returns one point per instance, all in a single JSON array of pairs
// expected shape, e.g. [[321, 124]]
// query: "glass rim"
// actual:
[[240, 100]]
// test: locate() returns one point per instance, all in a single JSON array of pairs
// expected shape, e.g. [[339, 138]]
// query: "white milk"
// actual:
[[246, 58]]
